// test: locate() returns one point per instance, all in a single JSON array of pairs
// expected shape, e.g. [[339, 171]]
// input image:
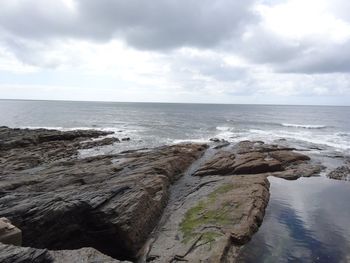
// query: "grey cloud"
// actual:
[[29, 26], [208, 66], [328, 59], [309, 55], [156, 24], [210, 73], [265, 47], [35, 19]]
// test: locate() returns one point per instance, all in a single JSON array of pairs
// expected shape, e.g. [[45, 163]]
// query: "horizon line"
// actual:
[[162, 102]]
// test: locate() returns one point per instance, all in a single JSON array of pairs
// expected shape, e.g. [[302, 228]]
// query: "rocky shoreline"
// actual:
[[184, 202]]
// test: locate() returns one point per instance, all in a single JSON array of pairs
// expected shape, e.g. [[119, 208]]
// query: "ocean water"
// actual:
[[153, 124], [306, 220]]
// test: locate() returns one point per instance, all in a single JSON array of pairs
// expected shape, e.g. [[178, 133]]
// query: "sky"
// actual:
[[223, 51]]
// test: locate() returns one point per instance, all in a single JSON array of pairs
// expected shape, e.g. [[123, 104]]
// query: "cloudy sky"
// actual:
[[223, 51]]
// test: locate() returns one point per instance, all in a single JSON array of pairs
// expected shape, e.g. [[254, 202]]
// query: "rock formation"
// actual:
[[110, 203], [171, 203], [13, 254], [220, 210], [256, 158], [9, 234], [340, 173]]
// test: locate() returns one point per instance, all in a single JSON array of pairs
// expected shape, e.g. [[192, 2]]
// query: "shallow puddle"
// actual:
[[307, 220]]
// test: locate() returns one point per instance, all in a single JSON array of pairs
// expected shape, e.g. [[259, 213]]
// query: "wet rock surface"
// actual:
[[174, 203], [340, 173]]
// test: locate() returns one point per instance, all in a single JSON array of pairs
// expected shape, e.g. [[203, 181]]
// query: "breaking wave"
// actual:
[[303, 126]]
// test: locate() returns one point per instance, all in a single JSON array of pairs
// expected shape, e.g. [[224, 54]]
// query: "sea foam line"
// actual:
[[304, 126]]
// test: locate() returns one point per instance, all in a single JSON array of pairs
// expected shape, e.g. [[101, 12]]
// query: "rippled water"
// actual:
[[152, 124], [307, 220]]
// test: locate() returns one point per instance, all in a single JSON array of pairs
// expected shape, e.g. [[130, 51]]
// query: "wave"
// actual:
[[276, 124], [330, 140], [114, 129], [303, 126], [191, 141], [223, 128], [338, 141]]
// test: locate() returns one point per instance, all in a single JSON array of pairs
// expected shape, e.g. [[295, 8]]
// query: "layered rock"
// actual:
[[257, 158], [17, 138], [22, 149], [114, 204], [13, 254], [110, 202], [216, 225], [224, 203]]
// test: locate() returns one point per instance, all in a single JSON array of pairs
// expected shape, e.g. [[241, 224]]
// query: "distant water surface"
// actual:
[[152, 124]]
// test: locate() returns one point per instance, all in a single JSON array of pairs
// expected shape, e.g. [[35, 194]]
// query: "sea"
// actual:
[[306, 220], [154, 124]]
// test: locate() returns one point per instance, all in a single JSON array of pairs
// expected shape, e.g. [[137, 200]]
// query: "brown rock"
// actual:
[[221, 163], [288, 157], [257, 158]]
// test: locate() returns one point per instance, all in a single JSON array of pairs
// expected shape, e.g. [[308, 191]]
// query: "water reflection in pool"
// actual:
[[307, 220]]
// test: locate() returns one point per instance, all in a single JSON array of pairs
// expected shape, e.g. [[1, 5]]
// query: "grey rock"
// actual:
[[108, 202], [13, 254], [340, 173]]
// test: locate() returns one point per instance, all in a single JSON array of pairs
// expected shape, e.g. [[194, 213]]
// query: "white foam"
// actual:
[[113, 129], [330, 140], [223, 128], [303, 126], [337, 141], [191, 141], [41, 127]]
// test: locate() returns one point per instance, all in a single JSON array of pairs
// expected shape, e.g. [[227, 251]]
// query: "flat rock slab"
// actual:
[[213, 228]]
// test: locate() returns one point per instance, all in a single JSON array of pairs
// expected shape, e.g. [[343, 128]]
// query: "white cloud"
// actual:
[[90, 50]]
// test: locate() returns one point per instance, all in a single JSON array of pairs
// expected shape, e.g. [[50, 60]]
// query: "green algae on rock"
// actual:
[[207, 215]]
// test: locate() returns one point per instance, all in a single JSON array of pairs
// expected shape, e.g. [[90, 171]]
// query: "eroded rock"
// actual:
[[113, 202], [22, 149], [340, 173], [109, 202], [257, 158]]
